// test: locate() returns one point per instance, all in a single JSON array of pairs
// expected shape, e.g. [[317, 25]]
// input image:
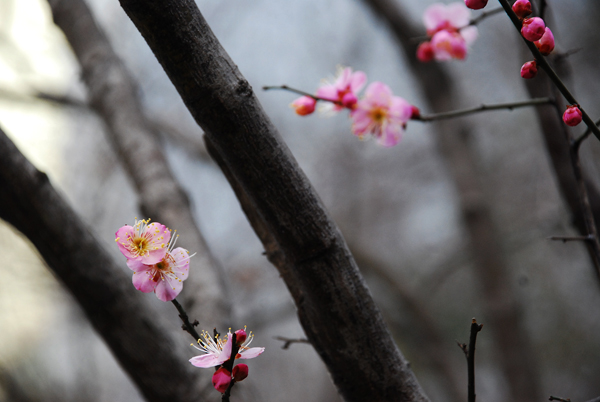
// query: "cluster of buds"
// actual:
[[222, 353], [378, 114], [450, 31], [157, 267]]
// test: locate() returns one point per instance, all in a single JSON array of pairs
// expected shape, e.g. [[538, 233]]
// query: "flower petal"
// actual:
[[168, 288], [204, 361], [251, 353], [143, 280], [122, 237]]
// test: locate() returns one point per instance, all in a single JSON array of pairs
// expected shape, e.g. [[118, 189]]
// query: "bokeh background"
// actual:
[[397, 208]]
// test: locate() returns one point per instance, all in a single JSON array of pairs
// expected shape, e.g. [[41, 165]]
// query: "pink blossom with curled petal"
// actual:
[[165, 278], [381, 114], [546, 43], [440, 16], [533, 28], [218, 351], [304, 105], [476, 4], [143, 242], [344, 90]]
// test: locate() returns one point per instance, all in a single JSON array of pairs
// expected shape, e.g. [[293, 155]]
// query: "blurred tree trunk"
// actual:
[[334, 304], [503, 310]]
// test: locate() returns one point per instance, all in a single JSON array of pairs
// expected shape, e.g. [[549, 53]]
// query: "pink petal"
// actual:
[[251, 353], [344, 79], [458, 15], [328, 92], [168, 288], [434, 16], [391, 135], [358, 81], [379, 93], [204, 361], [469, 34], [123, 234], [182, 263], [401, 109], [159, 240], [226, 352], [142, 280]]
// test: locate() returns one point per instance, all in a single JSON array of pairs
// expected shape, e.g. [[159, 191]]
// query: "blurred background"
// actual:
[[398, 208]]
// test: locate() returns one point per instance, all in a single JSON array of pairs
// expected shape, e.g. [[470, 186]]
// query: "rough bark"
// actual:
[[503, 311], [112, 94], [117, 312], [334, 305]]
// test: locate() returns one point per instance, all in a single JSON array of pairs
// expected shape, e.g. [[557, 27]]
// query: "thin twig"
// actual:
[[299, 92], [582, 137], [228, 365], [470, 355], [565, 239], [558, 398], [484, 108], [484, 15], [289, 341], [187, 326], [541, 61]]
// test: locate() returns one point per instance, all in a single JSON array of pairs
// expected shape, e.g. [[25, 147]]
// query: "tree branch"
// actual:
[[116, 311]]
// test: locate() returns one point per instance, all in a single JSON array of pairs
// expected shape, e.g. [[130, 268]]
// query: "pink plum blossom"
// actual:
[[529, 70], [165, 278], [572, 115], [304, 105], [450, 32], [218, 351], [546, 43], [476, 4], [221, 379], [344, 90], [143, 242], [381, 114], [533, 28], [522, 8]]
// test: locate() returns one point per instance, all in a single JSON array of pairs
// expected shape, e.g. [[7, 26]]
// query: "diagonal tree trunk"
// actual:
[[334, 305], [116, 311], [113, 95], [503, 310]]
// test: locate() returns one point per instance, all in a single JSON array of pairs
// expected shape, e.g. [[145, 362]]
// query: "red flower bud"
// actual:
[[304, 105], [415, 112], [476, 4], [349, 100], [240, 372], [221, 379], [425, 52], [522, 8], [529, 70], [572, 116], [240, 337], [533, 28], [546, 44]]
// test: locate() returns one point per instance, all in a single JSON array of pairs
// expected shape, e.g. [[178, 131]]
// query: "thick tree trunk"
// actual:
[[334, 305]]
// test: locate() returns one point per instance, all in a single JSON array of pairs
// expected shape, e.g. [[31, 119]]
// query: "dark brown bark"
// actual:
[[113, 95], [116, 311], [334, 305], [503, 310]]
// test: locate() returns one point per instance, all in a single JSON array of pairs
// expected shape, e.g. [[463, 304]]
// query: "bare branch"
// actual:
[[288, 341]]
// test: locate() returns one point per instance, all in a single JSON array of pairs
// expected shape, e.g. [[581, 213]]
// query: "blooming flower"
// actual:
[[476, 4], [142, 242], [304, 105], [343, 90], [533, 29], [572, 116], [529, 70], [165, 278], [546, 43], [218, 351], [381, 115], [448, 27]]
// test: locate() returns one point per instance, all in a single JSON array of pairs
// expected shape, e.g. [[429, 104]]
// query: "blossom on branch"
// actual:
[[218, 350], [381, 114], [343, 91], [450, 32], [143, 242], [304, 105]]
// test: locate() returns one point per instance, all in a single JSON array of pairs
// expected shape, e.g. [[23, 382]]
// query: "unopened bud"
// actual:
[[533, 28], [425, 52], [349, 100], [240, 337], [476, 4], [415, 112], [522, 8], [221, 379], [240, 372], [304, 105], [546, 44], [529, 70], [572, 116]]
